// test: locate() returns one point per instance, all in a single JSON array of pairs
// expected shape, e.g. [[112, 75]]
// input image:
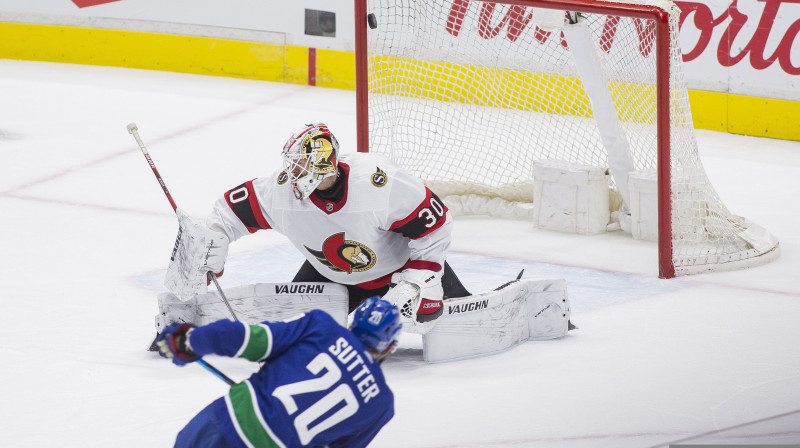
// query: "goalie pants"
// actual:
[[450, 284]]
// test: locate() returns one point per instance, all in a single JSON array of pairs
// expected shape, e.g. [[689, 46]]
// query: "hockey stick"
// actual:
[[216, 372], [134, 130]]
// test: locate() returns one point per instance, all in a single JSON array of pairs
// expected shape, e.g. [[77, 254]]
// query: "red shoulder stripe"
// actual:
[[242, 200]]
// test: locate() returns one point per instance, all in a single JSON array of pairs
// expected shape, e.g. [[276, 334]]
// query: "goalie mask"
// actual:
[[309, 157]]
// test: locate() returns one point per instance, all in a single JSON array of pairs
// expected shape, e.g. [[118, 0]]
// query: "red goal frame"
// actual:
[[659, 16]]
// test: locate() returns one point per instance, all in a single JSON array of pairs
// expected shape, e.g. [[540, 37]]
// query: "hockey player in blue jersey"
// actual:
[[320, 385]]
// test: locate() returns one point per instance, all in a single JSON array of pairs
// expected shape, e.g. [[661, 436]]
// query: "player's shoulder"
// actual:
[[271, 186], [317, 314], [273, 180], [321, 320], [376, 169], [313, 325]]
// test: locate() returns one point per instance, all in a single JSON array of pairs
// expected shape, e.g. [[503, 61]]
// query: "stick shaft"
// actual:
[[213, 278], [134, 130], [216, 372]]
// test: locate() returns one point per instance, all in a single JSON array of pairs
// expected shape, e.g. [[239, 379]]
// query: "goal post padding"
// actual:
[[468, 95]]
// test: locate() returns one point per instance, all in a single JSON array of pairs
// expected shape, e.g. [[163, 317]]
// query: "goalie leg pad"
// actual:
[[548, 309], [255, 303], [495, 321]]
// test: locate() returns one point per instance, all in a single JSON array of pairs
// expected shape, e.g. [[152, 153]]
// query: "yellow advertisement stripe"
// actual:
[[185, 54], [746, 115], [472, 85], [336, 69], [764, 117], [717, 111], [536, 92]]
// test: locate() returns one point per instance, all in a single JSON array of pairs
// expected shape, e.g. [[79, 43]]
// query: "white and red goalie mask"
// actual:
[[310, 156]]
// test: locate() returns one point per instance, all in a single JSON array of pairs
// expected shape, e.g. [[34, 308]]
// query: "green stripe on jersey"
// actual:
[[258, 344], [248, 417]]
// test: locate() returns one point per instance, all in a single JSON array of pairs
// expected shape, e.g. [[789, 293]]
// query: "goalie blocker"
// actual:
[[492, 322]]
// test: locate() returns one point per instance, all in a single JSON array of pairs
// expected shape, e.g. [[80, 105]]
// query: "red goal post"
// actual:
[[418, 72]]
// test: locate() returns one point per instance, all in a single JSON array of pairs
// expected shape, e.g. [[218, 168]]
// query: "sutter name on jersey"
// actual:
[[348, 357]]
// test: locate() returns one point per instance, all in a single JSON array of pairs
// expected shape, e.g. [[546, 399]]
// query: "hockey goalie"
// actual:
[[366, 227]]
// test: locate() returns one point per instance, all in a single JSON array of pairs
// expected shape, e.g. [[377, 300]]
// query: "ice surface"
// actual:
[[88, 232]]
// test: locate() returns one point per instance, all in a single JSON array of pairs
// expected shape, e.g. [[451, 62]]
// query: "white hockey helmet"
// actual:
[[309, 156]]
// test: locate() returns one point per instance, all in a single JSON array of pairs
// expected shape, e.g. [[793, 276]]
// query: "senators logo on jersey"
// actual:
[[340, 254], [379, 178], [282, 177]]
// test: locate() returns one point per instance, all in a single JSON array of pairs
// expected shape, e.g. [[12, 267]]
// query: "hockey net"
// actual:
[[468, 95]]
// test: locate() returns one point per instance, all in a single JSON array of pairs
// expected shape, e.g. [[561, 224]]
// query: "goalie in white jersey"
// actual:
[[360, 221]]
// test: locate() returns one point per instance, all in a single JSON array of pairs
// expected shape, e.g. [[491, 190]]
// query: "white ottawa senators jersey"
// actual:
[[386, 220]]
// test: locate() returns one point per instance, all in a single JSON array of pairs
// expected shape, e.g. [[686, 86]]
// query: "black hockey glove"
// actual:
[[173, 344]]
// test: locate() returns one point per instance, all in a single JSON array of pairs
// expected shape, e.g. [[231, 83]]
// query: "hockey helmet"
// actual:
[[309, 156], [376, 323]]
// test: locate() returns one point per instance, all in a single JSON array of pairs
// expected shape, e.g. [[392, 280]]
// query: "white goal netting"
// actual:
[[469, 94]]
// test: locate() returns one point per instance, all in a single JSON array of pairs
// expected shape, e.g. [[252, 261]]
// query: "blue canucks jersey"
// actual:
[[320, 386]]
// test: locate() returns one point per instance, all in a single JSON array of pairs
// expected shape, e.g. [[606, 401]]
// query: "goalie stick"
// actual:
[[134, 130]]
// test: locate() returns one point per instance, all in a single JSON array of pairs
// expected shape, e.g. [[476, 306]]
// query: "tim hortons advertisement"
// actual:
[[747, 47], [753, 44]]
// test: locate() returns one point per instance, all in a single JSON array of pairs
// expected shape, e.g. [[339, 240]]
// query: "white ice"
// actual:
[[87, 232]]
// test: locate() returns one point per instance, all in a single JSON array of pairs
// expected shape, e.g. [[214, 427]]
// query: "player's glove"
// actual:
[[418, 293], [173, 343]]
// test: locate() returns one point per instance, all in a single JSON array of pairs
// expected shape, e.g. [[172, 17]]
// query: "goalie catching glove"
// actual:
[[418, 294], [198, 250]]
